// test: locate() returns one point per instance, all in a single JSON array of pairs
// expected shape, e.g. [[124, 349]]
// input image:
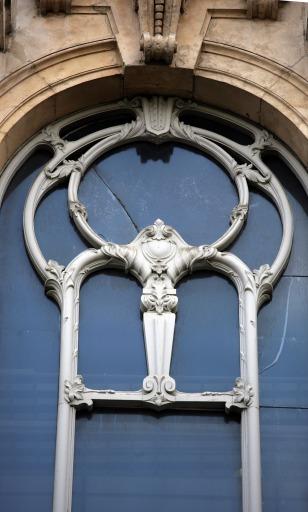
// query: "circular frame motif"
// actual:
[[158, 120]]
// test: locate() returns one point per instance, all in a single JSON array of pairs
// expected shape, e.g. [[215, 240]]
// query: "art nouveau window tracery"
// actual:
[[159, 258]]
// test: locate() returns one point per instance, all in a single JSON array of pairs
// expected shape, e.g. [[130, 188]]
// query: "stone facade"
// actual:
[[246, 56]]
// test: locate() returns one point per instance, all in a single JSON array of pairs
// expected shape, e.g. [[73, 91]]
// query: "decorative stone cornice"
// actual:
[[158, 24], [55, 6], [5, 23], [262, 9]]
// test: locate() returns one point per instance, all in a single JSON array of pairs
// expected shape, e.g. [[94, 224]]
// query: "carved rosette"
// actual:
[[243, 393], [74, 390]]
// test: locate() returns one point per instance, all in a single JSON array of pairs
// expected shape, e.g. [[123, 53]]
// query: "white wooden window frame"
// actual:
[[158, 258]]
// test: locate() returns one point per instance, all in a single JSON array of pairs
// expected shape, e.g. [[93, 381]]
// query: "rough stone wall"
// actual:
[[224, 54]]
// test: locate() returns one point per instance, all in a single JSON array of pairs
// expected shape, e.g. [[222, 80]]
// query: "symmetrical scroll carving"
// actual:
[[55, 6], [158, 22], [158, 295], [262, 9], [159, 393], [159, 390]]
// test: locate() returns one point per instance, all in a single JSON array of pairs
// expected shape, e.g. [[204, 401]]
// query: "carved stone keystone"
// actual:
[[158, 23]]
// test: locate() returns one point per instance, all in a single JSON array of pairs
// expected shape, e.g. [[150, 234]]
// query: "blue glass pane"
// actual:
[[130, 188], [213, 124], [95, 122], [283, 324], [168, 462], [111, 346], [260, 240], [56, 233], [206, 347], [284, 435], [298, 263], [283, 345], [29, 341]]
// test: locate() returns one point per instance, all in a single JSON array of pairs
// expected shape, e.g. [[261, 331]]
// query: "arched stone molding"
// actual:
[[84, 76]]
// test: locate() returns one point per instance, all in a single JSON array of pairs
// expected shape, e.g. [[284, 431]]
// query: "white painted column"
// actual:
[[66, 414], [250, 422]]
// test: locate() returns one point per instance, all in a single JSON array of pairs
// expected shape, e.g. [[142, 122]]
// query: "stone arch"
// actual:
[[74, 79]]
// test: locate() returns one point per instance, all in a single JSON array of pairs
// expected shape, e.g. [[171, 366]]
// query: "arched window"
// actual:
[[161, 398]]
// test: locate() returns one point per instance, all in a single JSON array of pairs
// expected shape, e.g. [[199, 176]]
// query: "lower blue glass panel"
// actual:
[[206, 345], [284, 437], [147, 462], [283, 345], [111, 346], [29, 347]]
